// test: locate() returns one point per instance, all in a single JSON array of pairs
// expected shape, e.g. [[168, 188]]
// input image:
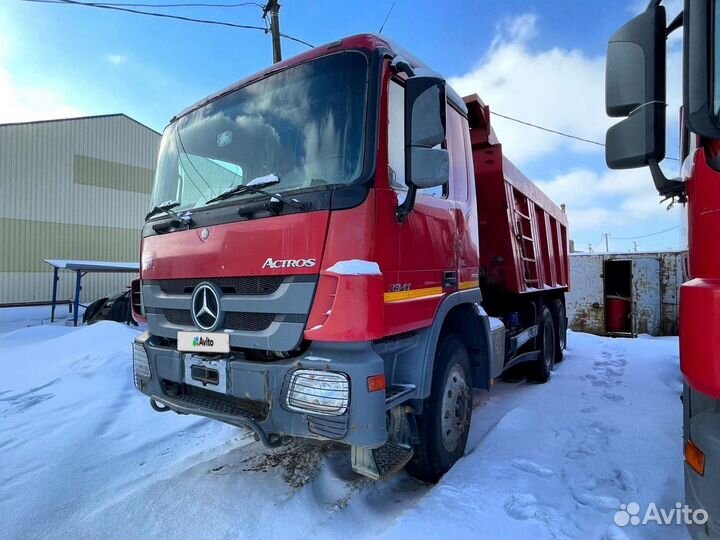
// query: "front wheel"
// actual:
[[444, 424]]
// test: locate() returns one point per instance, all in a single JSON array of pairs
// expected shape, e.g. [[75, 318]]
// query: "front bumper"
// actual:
[[257, 392]]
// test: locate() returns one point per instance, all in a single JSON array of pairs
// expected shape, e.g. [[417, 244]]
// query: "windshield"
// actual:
[[304, 125]]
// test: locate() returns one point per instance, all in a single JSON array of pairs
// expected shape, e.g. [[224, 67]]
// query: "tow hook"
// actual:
[[159, 408]]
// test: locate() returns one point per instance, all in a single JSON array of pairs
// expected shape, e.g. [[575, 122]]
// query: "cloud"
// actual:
[[116, 59], [564, 89], [561, 89], [557, 88], [22, 103], [622, 203]]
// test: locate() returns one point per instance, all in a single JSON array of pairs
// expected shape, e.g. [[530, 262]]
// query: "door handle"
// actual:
[[450, 280]]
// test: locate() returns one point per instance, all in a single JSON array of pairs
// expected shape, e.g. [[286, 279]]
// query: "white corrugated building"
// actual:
[[75, 188]]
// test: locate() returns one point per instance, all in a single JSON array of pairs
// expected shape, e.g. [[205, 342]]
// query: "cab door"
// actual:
[[428, 239]]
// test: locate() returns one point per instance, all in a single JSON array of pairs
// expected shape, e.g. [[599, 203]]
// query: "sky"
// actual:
[[542, 62]]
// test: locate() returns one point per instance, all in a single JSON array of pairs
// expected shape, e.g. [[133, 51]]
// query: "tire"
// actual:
[[557, 310], [120, 310], [539, 370], [92, 310], [444, 424]]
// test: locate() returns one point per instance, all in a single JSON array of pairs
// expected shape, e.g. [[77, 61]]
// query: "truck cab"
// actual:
[[636, 91], [312, 264]]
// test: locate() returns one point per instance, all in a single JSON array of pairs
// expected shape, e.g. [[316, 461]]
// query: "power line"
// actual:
[[129, 8], [148, 13], [386, 17], [556, 132], [298, 40], [163, 6], [164, 16], [644, 235], [602, 237]]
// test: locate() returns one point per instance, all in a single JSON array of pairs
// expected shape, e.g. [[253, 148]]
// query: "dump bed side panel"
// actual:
[[523, 234]]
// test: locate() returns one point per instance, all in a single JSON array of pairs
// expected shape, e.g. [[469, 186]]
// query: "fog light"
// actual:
[[320, 392], [141, 364]]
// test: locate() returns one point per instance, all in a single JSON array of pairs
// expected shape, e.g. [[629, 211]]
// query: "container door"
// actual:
[[585, 303], [646, 296]]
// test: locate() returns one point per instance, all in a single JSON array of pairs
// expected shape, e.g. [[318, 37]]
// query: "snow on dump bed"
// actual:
[[84, 456], [355, 267]]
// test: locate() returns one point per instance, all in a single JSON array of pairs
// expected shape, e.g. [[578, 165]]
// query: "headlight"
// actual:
[[320, 392], [141, 364]]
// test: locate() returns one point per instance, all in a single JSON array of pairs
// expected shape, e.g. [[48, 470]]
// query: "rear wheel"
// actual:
[[557, 309], [539, 370], [444, 423]]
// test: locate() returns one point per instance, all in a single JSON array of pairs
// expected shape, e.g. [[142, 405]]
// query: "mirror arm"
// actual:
[[667, 187], [403, 211], [676, 24], [399, 64]]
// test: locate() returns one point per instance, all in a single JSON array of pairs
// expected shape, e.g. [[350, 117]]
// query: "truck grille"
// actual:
[[234, 320], [231, 285]]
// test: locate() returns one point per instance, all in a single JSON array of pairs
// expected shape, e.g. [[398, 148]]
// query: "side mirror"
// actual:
[[426, 164], [430, 167], [635, 68], [424, 111], [635, 87], [633, 142]]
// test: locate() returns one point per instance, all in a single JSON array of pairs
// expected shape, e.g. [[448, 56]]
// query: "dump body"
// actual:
[[523, 234]]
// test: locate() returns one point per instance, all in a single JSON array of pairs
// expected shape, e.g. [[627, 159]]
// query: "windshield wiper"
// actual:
[[256, 185], [167, 206]]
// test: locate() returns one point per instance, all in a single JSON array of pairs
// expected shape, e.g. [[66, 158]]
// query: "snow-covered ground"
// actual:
[[20, 317], [82, 455]]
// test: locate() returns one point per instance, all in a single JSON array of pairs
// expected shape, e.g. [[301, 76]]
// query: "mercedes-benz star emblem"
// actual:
[[206, 307]]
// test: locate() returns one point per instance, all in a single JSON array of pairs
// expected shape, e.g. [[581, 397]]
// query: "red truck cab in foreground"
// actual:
[[339, 250], [635, 88]]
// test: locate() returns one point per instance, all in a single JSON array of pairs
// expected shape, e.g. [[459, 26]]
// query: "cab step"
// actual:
[[397, 393], [379, 463]]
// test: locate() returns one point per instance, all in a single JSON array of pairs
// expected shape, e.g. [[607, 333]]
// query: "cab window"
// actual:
[[396, 145]]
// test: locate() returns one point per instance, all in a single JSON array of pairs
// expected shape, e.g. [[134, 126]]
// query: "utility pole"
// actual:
[[273, 7], [590, 250], [607, 243], [635, 246]]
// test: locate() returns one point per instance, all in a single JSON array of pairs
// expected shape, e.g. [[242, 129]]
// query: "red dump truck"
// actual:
[[339, 250]]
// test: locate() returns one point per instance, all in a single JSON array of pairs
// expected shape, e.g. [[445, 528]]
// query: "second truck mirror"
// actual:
[[636, 58], [634, 141], [635, 87], [701, 67]]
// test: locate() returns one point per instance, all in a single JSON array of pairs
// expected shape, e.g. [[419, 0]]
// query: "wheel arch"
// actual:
[[460, 313]]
